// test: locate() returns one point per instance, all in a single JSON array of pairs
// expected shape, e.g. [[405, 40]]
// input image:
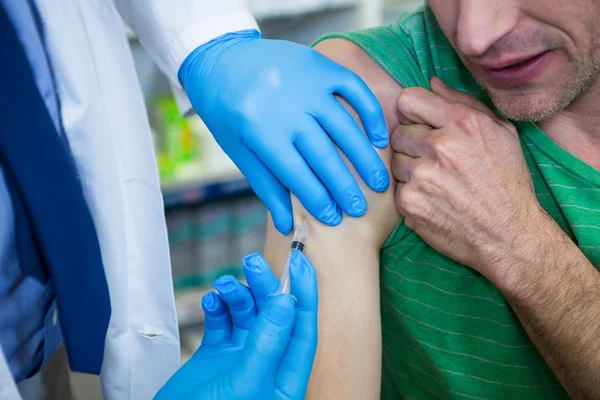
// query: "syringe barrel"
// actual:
[[284, 279], [298, 243]]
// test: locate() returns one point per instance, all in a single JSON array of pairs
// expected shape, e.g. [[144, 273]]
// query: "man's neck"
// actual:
[[577, 128]]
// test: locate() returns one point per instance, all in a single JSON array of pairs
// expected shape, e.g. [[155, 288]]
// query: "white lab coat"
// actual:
[[106, 122]]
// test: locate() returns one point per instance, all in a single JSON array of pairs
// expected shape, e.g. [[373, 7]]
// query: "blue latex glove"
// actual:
[[270, 105], [255, 347]]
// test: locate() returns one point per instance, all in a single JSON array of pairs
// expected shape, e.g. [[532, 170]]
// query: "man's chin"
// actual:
[[525, 107]]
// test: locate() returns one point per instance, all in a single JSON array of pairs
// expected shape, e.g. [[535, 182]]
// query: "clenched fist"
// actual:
[[464, 185]]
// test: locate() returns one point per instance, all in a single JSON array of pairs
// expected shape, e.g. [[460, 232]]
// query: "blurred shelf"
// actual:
[[392, 10], [270, 9], [229, 186], [189, 309]]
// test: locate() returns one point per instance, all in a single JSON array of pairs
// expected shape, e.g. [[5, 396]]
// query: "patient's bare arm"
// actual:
[[348, 362]]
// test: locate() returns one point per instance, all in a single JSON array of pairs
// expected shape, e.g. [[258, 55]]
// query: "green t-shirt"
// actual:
[[447, 331]]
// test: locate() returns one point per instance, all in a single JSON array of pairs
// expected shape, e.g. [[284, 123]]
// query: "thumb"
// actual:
[[267, 340]]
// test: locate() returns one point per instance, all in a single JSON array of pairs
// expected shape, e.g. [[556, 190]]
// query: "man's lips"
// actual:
[[507, 62], [516, 71]]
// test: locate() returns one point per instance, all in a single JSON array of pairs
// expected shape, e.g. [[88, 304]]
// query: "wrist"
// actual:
[[537, 253]]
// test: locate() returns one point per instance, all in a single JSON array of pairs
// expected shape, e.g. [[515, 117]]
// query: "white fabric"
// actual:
[[8, 389], [171, 29], [106, 123]]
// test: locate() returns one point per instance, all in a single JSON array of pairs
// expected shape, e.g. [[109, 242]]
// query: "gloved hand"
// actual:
[[270, 105], [248, 351]]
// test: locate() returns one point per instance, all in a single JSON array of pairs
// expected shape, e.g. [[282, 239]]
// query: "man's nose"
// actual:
[[482, 23]]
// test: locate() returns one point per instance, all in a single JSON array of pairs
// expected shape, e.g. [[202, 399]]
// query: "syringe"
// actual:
[[298, 242]]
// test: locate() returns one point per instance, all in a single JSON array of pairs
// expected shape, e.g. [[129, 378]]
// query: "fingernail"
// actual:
[[298, 264], [332, 215], [225, 284], [254, 263], [283, 225], [280, 309], [282, 218], [380, 181], [210, 302], [381, 140], [358, 206]]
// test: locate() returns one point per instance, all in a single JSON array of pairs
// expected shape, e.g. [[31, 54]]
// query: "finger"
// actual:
[[323, 158], [241, 306], [346, 133], [266, 186], [217, 321], [321, 155], [403, 120], [304, 288], [421, 106], [440, 88], [402, 166], [411, 139], [398, 200], [267, 341], [362, 99], [296, 365], [260, 278], [292, 170]]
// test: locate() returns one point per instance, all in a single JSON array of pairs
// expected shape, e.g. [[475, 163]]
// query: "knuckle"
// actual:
[[400, 198], [396, 162], [406, 199], [472, 120], [430, 141], [396, 137], [403, 99], [421, 172], [407, 95], [442, 146]]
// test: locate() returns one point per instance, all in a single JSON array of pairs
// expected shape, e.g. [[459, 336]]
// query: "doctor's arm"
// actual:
[[346, 258], [171, 30]]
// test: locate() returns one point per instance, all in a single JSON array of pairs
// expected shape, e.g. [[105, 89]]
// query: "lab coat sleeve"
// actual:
[[171, 30]]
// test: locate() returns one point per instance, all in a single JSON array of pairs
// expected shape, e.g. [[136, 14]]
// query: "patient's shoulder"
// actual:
[[385, 88]]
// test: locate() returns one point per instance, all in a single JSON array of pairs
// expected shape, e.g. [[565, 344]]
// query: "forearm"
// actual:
[[348, 361], [556, 295]]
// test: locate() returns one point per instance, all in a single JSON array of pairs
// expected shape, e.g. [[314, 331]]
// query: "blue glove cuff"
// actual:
[[223, 41]]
